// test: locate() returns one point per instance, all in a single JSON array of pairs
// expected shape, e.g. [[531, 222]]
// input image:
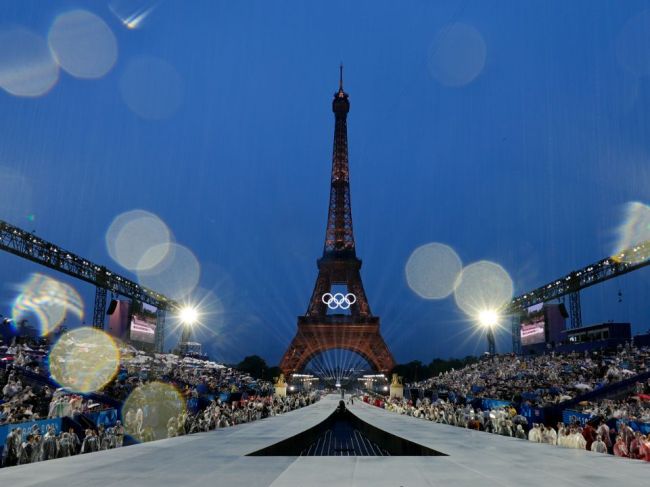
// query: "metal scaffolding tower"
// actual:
[[28, 246]]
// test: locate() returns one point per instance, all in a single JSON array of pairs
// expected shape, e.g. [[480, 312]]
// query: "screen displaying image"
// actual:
[[143, 323], [533, 326]]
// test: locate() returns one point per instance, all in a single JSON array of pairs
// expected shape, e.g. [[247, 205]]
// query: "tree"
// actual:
[[412, 371], [416, 371], [253, 365]]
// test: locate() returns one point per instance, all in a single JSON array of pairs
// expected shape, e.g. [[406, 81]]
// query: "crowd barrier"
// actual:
[[607, 391], [107, 417], [494, 404], [43, 425], [570, 416], [635, 425]]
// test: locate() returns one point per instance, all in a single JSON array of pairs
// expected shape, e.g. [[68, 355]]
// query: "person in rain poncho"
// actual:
[[599, 445], [172, 427], [564, 440], [49, 448], [620, 448], [644, 448], [128, 421], [535, 434], [108, 439], [12, 445], [589, 434], [549, 436], [65, 446], [578, 440], [37, 446], [560, 431], [90, 443], [520, 433], [634, 451], [505, 427], [603, 431], [139, 421], [119, 434], [26, 450], [75, 443]]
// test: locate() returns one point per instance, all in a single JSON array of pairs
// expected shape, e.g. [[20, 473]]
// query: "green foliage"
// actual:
[[416, 371], [253, 365], [256, 366]]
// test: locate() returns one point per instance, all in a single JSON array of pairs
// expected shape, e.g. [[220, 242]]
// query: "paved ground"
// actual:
[[218, 458]]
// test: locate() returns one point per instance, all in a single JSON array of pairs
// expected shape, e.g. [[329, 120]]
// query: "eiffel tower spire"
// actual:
[[339, 237]]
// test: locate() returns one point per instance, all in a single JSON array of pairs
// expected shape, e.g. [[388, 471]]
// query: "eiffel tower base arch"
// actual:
[[312, 339]]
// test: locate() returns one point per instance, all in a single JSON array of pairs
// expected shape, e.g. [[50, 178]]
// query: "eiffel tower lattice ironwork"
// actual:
[[357, 331]]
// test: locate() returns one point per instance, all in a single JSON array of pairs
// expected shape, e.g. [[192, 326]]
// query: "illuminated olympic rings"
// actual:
[[339, 300]]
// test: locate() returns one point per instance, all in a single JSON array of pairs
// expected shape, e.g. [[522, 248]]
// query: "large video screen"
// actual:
[[143, 323], [533, 326]]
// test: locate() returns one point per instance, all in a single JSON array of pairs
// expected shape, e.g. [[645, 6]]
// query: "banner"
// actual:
[[26, 428], [644, 428], [570, 416], [533, 415], [107, 417], [494, 404]]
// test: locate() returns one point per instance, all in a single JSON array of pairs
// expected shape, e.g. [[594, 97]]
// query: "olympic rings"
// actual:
[[339, 300]]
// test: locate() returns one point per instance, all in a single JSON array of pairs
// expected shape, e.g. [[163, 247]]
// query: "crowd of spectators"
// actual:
[[33, 446], [635, 407], [595, 436], [25, 399], [212, 396], [541, 380]]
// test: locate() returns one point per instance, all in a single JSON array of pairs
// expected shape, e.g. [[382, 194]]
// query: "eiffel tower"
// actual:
[[356, 330]]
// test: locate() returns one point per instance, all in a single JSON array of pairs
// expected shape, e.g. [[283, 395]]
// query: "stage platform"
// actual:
[[219, 458]]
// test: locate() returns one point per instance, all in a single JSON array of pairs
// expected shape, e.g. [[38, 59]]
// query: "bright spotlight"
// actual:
[[488, 318], [188, 315], [338, 384], [292, 388]]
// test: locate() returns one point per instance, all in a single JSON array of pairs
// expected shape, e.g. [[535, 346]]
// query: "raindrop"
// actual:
[[48, 300], [151, 88], [483, 286], [84, 360], [457, 55], [176, 276], [132, 235], [83, 44], [27, 67], [432, 270], [152, 411]]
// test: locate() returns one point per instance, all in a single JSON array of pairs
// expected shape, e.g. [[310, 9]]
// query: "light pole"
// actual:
[[489, 319], [188, 317]]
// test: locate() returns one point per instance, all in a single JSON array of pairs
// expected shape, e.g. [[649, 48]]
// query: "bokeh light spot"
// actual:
[[84, 360], [138, 240], [147, 411], [457, 55], [151, 88], [483, 286], [48, 300], [175, 276], [634, 231], [432, 270], [27, 67], [83, 44]]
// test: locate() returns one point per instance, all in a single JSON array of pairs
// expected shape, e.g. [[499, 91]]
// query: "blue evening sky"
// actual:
[[529, 164]]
